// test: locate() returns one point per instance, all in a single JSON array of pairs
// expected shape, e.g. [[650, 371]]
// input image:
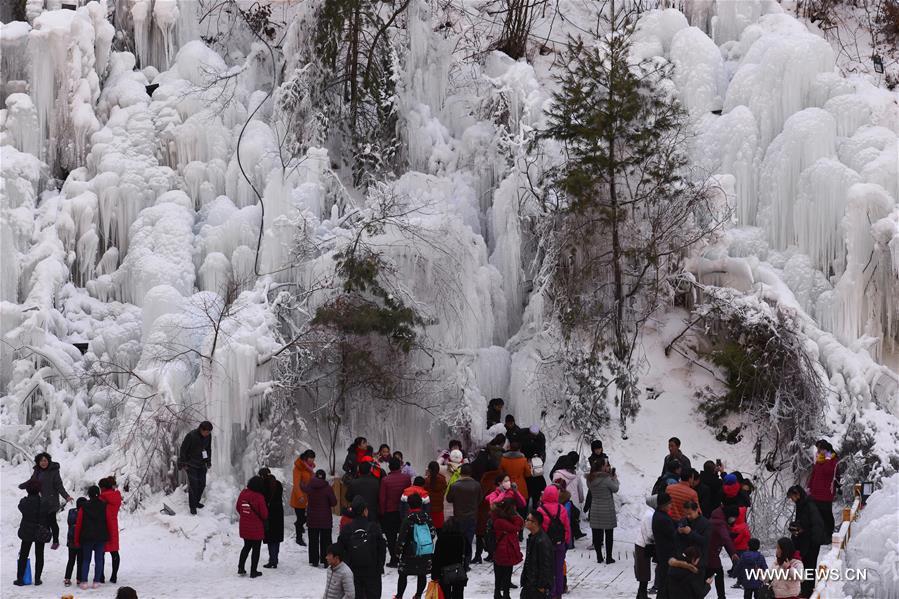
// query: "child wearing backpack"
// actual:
[[415, 546], [558, 528]]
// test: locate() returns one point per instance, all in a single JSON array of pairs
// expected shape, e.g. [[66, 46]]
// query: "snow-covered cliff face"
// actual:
[[126, 211]]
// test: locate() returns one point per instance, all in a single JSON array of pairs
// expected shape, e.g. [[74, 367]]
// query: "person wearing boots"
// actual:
[[507, 524], [303, 470], [46, 473], [31, 531], [603, 485], [274, 528], [252, 514], [195, 458], [110, 495]]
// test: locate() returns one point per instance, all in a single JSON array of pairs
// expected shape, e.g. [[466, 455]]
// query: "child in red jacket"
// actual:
[[739, 532], [253, 513]]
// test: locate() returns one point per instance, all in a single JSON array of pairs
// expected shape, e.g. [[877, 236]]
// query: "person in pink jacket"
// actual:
[[506, 489], [253, 513], [558, 528]]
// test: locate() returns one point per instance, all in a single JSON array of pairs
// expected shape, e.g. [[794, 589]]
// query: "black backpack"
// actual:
[[556, 530], [359, 550], [490, 537]]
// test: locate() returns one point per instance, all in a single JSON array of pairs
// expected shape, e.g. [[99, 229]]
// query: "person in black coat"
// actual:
[[31, 529], [686, 579], [808, 532], [665, 536], [365, 551], [354, 454], [448, 552], [710, 489], [46, 473], [513, 431], [483, 462], [538, 572], [91, 535], [597, 454], [274, 526], [195, 457], [367, 487], [495, 411], [695, 532], [411, 564]]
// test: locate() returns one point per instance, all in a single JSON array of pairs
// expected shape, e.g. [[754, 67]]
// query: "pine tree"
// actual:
[[625, 209], [356, 82]]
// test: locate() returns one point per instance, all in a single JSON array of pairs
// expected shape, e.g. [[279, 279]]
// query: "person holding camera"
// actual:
[[693, 531], [505, 489]]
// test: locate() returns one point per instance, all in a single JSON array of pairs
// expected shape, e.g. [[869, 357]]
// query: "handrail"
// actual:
[[839, 540]]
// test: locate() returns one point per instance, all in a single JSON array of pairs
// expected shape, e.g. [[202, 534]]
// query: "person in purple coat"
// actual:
[[318, 517]]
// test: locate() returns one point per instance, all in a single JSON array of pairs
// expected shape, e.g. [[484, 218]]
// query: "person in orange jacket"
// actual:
[[303, 470], [681, 492], [517, 467]]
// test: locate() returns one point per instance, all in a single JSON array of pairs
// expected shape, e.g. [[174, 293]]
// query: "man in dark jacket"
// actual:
[[534, 449], [808, 532], [465, 495], [365, 551], [368, 488], [196, 458], [671, 476], [674, 453], [665, 535], [694, 532], [513, 431], [537, 574], [710, 488], [392, 487], [495, 411]]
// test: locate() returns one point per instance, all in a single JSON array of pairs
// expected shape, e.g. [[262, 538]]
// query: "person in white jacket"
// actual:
[[644, 549], [569, 479], [786, 573]]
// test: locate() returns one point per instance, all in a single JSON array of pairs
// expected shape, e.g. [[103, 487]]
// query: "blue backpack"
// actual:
[[421, 536]]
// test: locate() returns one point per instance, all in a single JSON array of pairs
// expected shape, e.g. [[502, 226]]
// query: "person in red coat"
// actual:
[[390, 495], [822, 482], [506, 526], [318, 517], [253, 513], [110, 495]]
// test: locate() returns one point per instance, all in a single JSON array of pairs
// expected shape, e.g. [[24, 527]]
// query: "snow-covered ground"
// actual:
[[183, 556]]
